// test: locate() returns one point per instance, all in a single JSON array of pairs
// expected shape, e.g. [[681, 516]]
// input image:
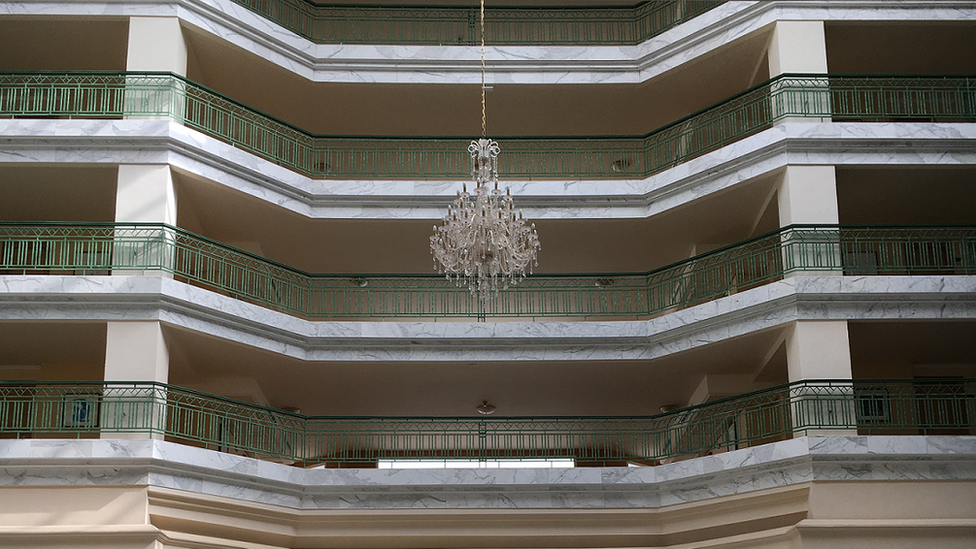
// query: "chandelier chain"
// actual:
[[484, 113]]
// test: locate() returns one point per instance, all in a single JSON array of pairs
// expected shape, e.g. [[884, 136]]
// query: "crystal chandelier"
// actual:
[[482, 242]]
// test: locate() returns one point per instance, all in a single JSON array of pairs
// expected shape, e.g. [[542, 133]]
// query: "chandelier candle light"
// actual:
[[482, 242]]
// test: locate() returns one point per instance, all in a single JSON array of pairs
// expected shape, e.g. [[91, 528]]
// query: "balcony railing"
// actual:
[[98, 409], [126, 249], [458, 25], [143, 95]]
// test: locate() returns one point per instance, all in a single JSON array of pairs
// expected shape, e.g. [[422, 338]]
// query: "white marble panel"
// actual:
[[904, 458], [518, 64], [770, 305], [791, 462], [191, 152], [94, 475]]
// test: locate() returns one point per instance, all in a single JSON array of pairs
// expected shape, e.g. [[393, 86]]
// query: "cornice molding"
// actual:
[[183, 476], [509, 64], [26, 141], [118, 298]]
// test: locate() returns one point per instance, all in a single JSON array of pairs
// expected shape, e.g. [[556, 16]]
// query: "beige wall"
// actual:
[[77, 517], [890, 515], [821, 514]]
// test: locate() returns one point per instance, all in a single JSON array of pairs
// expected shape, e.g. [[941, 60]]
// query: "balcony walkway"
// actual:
[[109, 409], [786, 97], [140, 249]]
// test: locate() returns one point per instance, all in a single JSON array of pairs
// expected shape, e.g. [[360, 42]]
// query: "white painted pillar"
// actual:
[[799, 47], [155, 44], [137, 351], [134, 352], [808, 195], [820, 350], [144, 194]]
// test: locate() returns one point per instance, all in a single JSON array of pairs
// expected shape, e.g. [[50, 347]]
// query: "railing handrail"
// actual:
[[649, 273], [154, 385], [120, 248], [628, 18], [188, 82], [571, 137], [790, 386], [621, 157], [495, 7], [97, 408]]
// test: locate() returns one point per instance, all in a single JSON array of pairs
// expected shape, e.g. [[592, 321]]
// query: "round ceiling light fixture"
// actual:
[[485, 409]]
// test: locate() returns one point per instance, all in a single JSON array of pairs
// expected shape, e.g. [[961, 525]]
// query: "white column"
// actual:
[[137, 352], [820, 350], [799, 47], [144, 194], [808, 195], [155, 44]]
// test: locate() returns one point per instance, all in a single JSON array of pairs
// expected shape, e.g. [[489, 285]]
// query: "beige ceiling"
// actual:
[[52, 351], [75, 351], [517, 388], [875, 194], [52, 43], [98, 43], [903, 349], [402, 247], [455, 110], [532, 388], [72, 192], [886, 47], [907, 194]]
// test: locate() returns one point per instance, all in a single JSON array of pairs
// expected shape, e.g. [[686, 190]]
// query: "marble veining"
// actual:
[[192, 152], [568, 64], [102, 298], [791, 462]]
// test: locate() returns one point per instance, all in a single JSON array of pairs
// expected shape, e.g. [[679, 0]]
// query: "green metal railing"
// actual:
[[458, 25], [116, 248], [93, 409], [148, 95]]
